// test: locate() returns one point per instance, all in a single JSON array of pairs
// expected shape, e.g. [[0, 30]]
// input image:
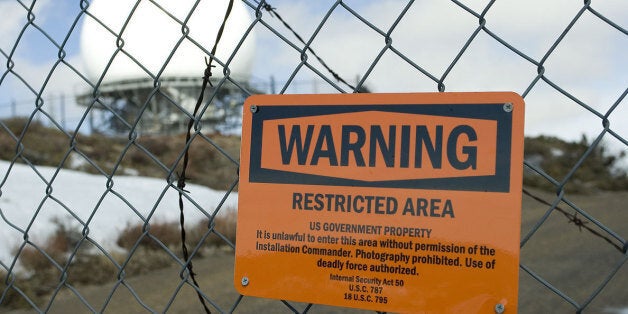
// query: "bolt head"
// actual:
[[245, 281], [499, 308]]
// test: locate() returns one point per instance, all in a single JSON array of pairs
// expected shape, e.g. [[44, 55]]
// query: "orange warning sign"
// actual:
[[388, 202]]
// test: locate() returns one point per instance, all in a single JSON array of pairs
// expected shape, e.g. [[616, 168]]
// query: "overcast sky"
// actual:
[[590, 63]]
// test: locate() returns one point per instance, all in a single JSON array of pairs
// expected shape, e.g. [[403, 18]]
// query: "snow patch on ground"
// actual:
[[30, 201]]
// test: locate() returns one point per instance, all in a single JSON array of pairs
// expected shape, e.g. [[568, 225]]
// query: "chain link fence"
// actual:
[[145, 72]]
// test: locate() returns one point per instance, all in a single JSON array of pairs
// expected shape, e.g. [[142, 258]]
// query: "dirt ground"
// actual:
[[567, 256], [156, 289]]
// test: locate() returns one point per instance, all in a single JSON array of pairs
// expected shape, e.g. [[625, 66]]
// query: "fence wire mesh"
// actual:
[[103, 240]]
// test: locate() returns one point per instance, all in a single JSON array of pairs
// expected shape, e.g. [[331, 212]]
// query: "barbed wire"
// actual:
[[273, 12], [182, 177], [577, 221]]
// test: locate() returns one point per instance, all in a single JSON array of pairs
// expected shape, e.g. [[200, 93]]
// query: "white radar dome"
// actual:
[[152, 34]]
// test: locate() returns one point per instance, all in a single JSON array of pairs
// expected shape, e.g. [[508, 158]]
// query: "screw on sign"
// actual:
[[379, 201], [499, 308]]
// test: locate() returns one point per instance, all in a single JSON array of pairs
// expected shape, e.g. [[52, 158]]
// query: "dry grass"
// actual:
[[151, 236], [42, 264], [144, 248], [41, 145], [47, 146], [156, 235], [12, 299], [224, 227]]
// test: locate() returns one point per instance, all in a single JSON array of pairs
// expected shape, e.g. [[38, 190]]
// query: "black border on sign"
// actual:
[[500, 182]]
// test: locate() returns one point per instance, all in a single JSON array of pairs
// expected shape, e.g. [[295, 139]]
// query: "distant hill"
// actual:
[[48, 146], [150, 156], [599, 171]]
